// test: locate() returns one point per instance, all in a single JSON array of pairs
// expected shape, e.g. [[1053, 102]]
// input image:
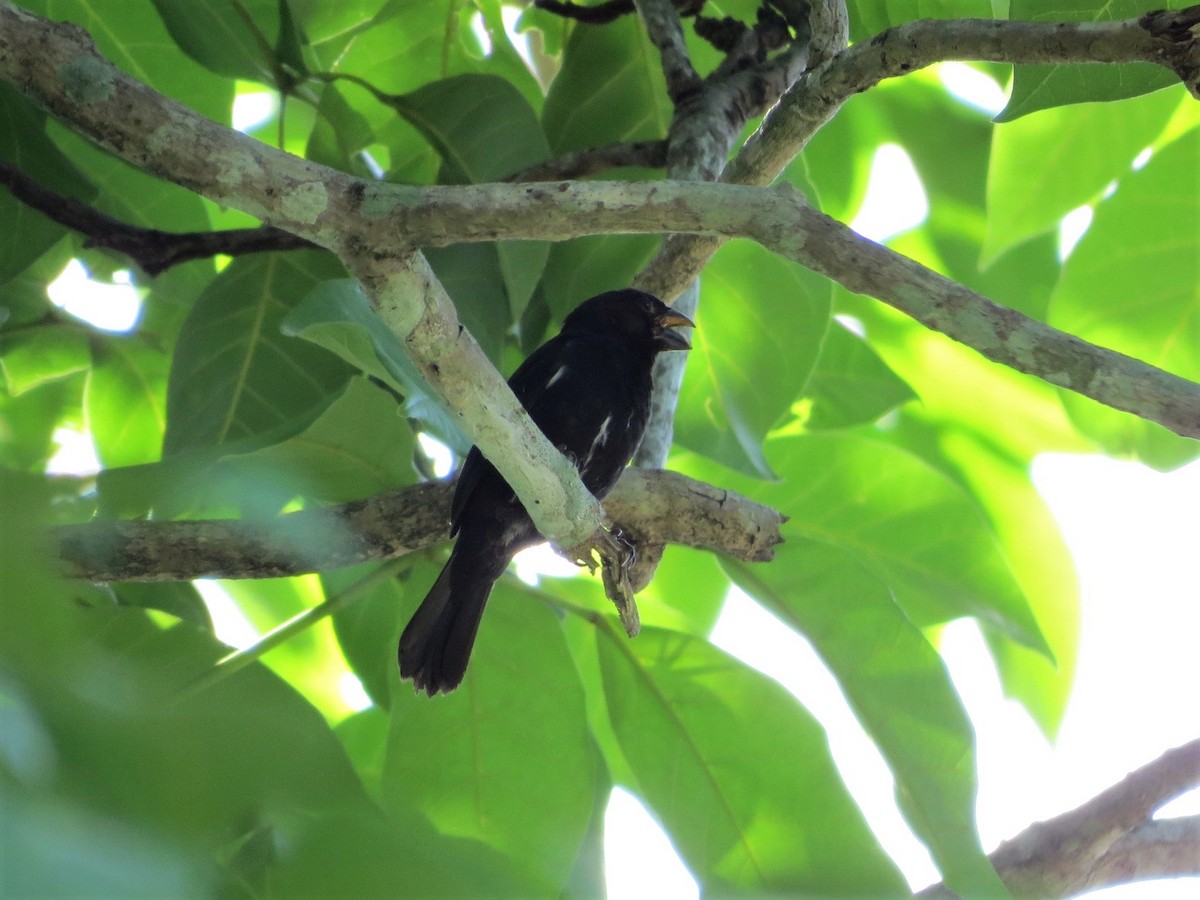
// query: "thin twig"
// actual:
[[153, 250], [299, 623], [593, 160]]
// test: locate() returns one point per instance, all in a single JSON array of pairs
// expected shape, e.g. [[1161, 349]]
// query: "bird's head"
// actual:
[[639, 316]]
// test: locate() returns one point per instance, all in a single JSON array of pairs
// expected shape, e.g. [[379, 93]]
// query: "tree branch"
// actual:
[[368, 224], [155, 251], [653, 507], [581, 163], [708, 121], [1165, 39], [666, 33], [1109, 840]]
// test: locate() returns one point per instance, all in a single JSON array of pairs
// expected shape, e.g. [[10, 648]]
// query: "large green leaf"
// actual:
[[507, 758], [868, 17], [850, 384], [1131, 285], [1045, 165], [1042, 564], [337, 316], [23, 143], [139, 44], [584, 267], [310, 661], [358, 446], [480, 124], [33, 356], [218, 36], [125, 400], [234, 373], [368, 629], [760, 328], [485, 130], [948, 240], [472, 276], [331, 27], [1040, 87], [40, 834], [209, 763], [898, 687], [30, 422], [737, 771], [621, 58], [908, 523], [359, 853]]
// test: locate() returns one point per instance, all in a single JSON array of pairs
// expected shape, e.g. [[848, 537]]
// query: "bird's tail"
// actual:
[[436, 644]]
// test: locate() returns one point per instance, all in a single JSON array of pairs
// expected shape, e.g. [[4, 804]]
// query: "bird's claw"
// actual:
[[618, 555]]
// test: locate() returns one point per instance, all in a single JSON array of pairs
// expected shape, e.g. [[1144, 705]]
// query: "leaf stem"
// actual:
[[239, 659]]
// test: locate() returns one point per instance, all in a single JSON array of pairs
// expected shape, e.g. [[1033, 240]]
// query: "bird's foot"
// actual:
[[618, 556]]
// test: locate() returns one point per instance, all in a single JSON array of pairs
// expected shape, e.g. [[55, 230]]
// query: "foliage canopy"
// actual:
[[900, 457]]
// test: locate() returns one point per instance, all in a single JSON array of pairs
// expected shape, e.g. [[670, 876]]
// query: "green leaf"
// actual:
[[364, 734], [851, 385], [246, 748], [331, 27], [23, 143], [1130, 285], [359, 853], [908, 523], [1047, 164], [472, 277], [948, 240], [584, 267], [702, 733], [218, 37], [1041, 87], [336, 315], [357, 447], [29, 422], [368, 630], [40, 623], [464, 760], [481, 125], [177, 598], [34, 356], [760, 328], [620, 57], [485, 130], [689, 591], [234, 373], [125, 401], [289, 47], [868, 17], [143, 47], [54, 849], [898, 687], [310, 661], [1042, 564]]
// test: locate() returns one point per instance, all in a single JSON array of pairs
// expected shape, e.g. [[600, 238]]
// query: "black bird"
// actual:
[[588, 390]]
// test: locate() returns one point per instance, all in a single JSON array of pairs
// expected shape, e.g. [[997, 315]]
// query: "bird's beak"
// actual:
[[673, 340]]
